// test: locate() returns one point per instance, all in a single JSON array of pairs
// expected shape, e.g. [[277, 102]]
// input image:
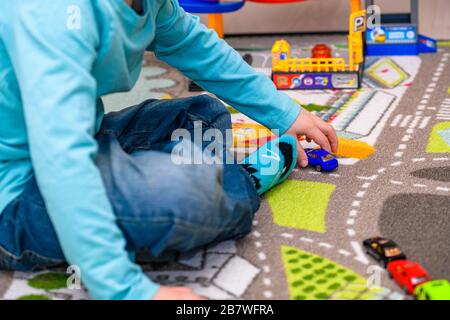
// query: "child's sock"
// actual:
[[272, 163]]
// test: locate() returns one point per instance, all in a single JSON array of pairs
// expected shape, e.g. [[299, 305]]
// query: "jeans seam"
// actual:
[[25, 252], [175, 220]]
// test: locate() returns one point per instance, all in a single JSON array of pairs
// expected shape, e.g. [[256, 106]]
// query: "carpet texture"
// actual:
[[306, 241]]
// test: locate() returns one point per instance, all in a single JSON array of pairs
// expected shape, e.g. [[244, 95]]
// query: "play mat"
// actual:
[[307, 236]]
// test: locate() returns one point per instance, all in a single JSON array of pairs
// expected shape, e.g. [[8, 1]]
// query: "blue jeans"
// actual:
[[161, 207]]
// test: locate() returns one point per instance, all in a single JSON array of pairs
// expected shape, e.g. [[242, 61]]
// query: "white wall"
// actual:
[[329, 15]]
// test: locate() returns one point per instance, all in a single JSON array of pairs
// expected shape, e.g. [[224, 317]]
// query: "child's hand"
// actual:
[[176, 293], [313, 128]]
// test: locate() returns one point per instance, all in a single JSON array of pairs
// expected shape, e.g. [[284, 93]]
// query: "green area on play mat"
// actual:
[[436, 142], [312, 277], [34, 297], [301, 204], [49, 281]]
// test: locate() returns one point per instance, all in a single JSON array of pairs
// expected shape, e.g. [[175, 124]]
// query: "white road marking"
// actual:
[[445, 189], [418, 159], [258, 244], [419, 113], [353, 213], [268, 294], [287, 235], [266, 269], [325, 245], [356, 203], [334, 175], [396, 164], [255, 222], [373, 177], [396, 120], [410, 131], [396, 182], [344, 252], [415, 121], [406, 138], [424, 122], [360, 256], [360, 194], [402, 146], [398, 154], [419, 185], [351, 232], [405, 121], [262, 256], [440, 159], [365, 185], [421, 107], [431, 108], [350, 221], [306, 240], [381, 170], [256, 234], [267, 281]]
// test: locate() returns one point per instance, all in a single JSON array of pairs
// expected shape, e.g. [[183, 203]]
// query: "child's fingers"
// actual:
[[329, 131], [319, 137], [302, 159]]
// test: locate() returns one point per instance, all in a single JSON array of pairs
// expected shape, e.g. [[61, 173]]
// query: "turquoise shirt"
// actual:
[[56, 60]]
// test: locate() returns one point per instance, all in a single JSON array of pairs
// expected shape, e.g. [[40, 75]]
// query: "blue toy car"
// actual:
[[321, 160]]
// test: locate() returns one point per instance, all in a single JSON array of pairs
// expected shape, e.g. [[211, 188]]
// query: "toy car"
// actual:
[[383, 250], [407, 274], [433, 290], [321, 160], [321, 51]]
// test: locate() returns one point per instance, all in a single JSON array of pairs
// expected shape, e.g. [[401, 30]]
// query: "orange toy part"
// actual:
[[349, 148], [321, 51], [250, 135]]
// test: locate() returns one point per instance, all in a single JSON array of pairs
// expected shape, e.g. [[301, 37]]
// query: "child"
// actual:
[[90, 189]]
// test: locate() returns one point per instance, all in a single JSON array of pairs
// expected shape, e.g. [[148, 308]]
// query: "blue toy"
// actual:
[[397, 35], [321, 160]]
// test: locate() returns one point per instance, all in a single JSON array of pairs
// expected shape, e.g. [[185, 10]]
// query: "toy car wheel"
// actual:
[[318, 168]]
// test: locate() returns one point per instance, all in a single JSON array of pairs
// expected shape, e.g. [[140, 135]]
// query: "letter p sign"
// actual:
[[359, 23]]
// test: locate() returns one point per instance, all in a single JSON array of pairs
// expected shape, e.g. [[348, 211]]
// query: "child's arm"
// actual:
[[52, 65], [184, 43]]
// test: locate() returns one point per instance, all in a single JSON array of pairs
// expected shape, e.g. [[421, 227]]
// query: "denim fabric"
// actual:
[[160, 206]]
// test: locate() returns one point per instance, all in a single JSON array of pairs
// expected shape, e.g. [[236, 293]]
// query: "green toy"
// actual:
[[433, 290]]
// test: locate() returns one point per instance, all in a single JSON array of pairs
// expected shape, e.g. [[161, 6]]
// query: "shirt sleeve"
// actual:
[[52, 63], [184, 43]]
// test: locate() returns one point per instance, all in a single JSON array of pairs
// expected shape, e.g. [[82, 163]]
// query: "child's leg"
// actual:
[[179, 207]]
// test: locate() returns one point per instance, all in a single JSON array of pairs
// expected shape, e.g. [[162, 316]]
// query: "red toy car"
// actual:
[[321, 51], [407, 274]]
